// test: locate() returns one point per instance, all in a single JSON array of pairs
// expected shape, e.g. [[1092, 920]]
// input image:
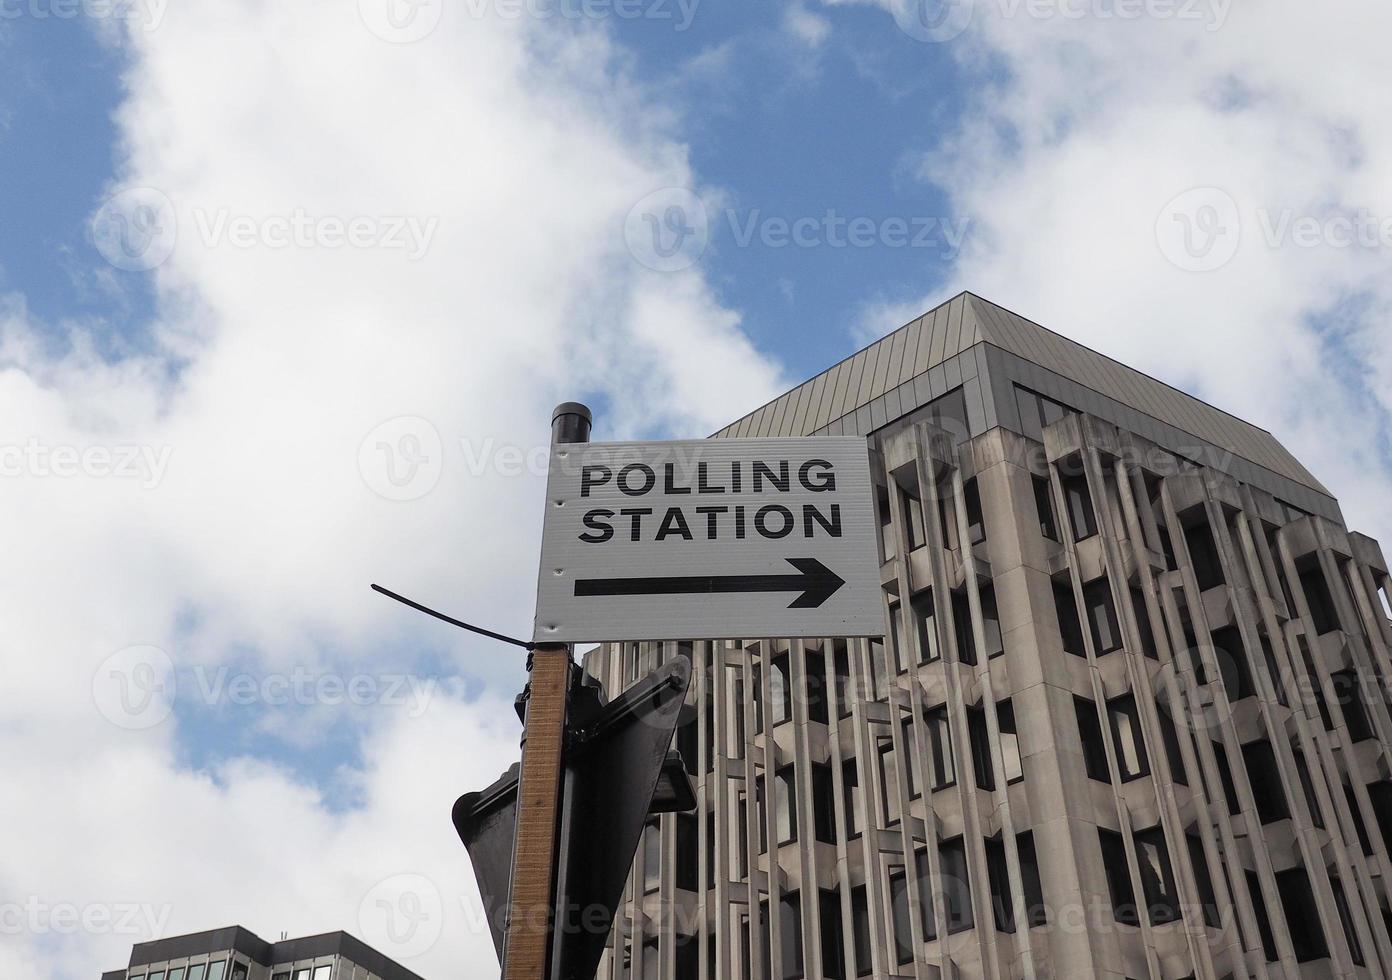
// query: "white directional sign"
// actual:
[[709, 539]]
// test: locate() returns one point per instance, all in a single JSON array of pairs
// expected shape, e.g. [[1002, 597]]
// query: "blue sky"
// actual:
[[309, 418]]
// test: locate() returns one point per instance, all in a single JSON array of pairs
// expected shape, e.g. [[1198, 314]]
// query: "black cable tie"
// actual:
[[455, 622]]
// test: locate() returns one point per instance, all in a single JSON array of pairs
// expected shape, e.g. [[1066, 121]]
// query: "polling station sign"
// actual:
[[709, 539]]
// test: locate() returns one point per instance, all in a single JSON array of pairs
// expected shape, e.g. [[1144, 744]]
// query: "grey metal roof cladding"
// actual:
[[965, 321]]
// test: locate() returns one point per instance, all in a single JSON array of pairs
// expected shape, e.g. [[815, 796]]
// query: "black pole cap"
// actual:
[[571, 422]]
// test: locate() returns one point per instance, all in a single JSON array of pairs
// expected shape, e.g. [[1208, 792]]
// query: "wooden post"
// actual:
[[530, 906]]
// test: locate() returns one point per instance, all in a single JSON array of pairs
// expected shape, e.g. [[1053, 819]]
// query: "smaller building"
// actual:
[[235, 953]]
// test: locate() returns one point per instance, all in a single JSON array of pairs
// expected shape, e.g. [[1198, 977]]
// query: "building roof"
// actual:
[[967, 320]]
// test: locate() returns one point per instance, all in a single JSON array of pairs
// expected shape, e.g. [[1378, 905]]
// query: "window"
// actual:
[[850, 783], [1090, 733], [711, 866], [1038, 412], [906, 729], [785, 805], [1348, 691], [818, 689], [976, 524], [196, 972], [756, 671], [1297, 899], [1380, 794], [966, 639], [177, 973], [1127, 738], [1070, 629], [1204, 880], [944, 772], [879, 671], [1307, 786], [1268, 938], [860, 930], [688, 863], [926, 618], [902, 660], [887, 548], [998, 879], [652, 857], [1044, 506], [1273, 670], [913, 515], [1036, 913], [823, 804], [990, 622], [1118, 877], [1080, 513], [899, 908], [926, 918], [1360, 828], [981, 749], [741, 851], [1266, 781], [734, 713], [781, 690], [1173, 753], [889, 782], [1203, 552], [1225, 774], [791, 907], [841, 659], [688, 957], [956, 885], [215, 969], [1148, 646], [1233, 664], [833, 941], [687, 737], [1316, 589], [1009, 741], [1102, 617], [1346, 919]]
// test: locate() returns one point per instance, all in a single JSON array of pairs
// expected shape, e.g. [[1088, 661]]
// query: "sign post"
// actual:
[[539, 785]]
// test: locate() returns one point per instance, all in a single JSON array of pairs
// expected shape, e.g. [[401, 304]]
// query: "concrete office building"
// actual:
[[235, 953], [1129, 721]]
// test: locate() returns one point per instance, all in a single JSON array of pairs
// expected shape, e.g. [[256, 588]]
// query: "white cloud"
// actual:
[[1083, 132], [273, 381], [810, 28]]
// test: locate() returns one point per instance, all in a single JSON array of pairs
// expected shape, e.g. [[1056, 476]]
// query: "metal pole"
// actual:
[[525, 954]]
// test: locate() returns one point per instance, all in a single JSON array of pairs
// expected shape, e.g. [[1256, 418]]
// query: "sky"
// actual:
[[287, 292]]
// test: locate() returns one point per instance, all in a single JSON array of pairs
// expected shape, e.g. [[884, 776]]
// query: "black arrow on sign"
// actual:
[[813, 580]]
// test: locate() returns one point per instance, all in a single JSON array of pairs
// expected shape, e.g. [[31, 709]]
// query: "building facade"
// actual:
[[235, 953], [1129, 718]]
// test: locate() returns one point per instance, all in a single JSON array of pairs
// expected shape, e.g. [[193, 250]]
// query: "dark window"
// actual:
[[1010, 741], [879, 669], [897, 640], [1297, 901], [791, 907], [860, 931], [913, 513], [1233, 663], [652, 857], [833, 941], [688, 852], [956, 885], [1204, 880], [1080, 512], [785, 805], [1273, 669], [688, 957], [887, 548], [1203, 552], [1314, 686], [889, 782], [1102, 617], [1381, 795], [901, 926], [1118, 877], [990, 621], [1225, 774], [1349, 693], [1167, 548], [1148, 646], [1070, 628], [1157, 878], [1268, 939], [1307, 785], [944, 772], [981, 749], [1035, 911], [687, 738], [976, 524], [966, 639], [906, 729], [711, 866], [781, 690], [1090, 733], [1359, 827], [1346, 919], [998, 879], [1037, 412], [818, 688], [926, 619], [850, 780], [925, 895], [1044, 506], [1127, 739], [1266, 781], [1317, 595], [1170, 737], [841, 659], [823, 804]]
